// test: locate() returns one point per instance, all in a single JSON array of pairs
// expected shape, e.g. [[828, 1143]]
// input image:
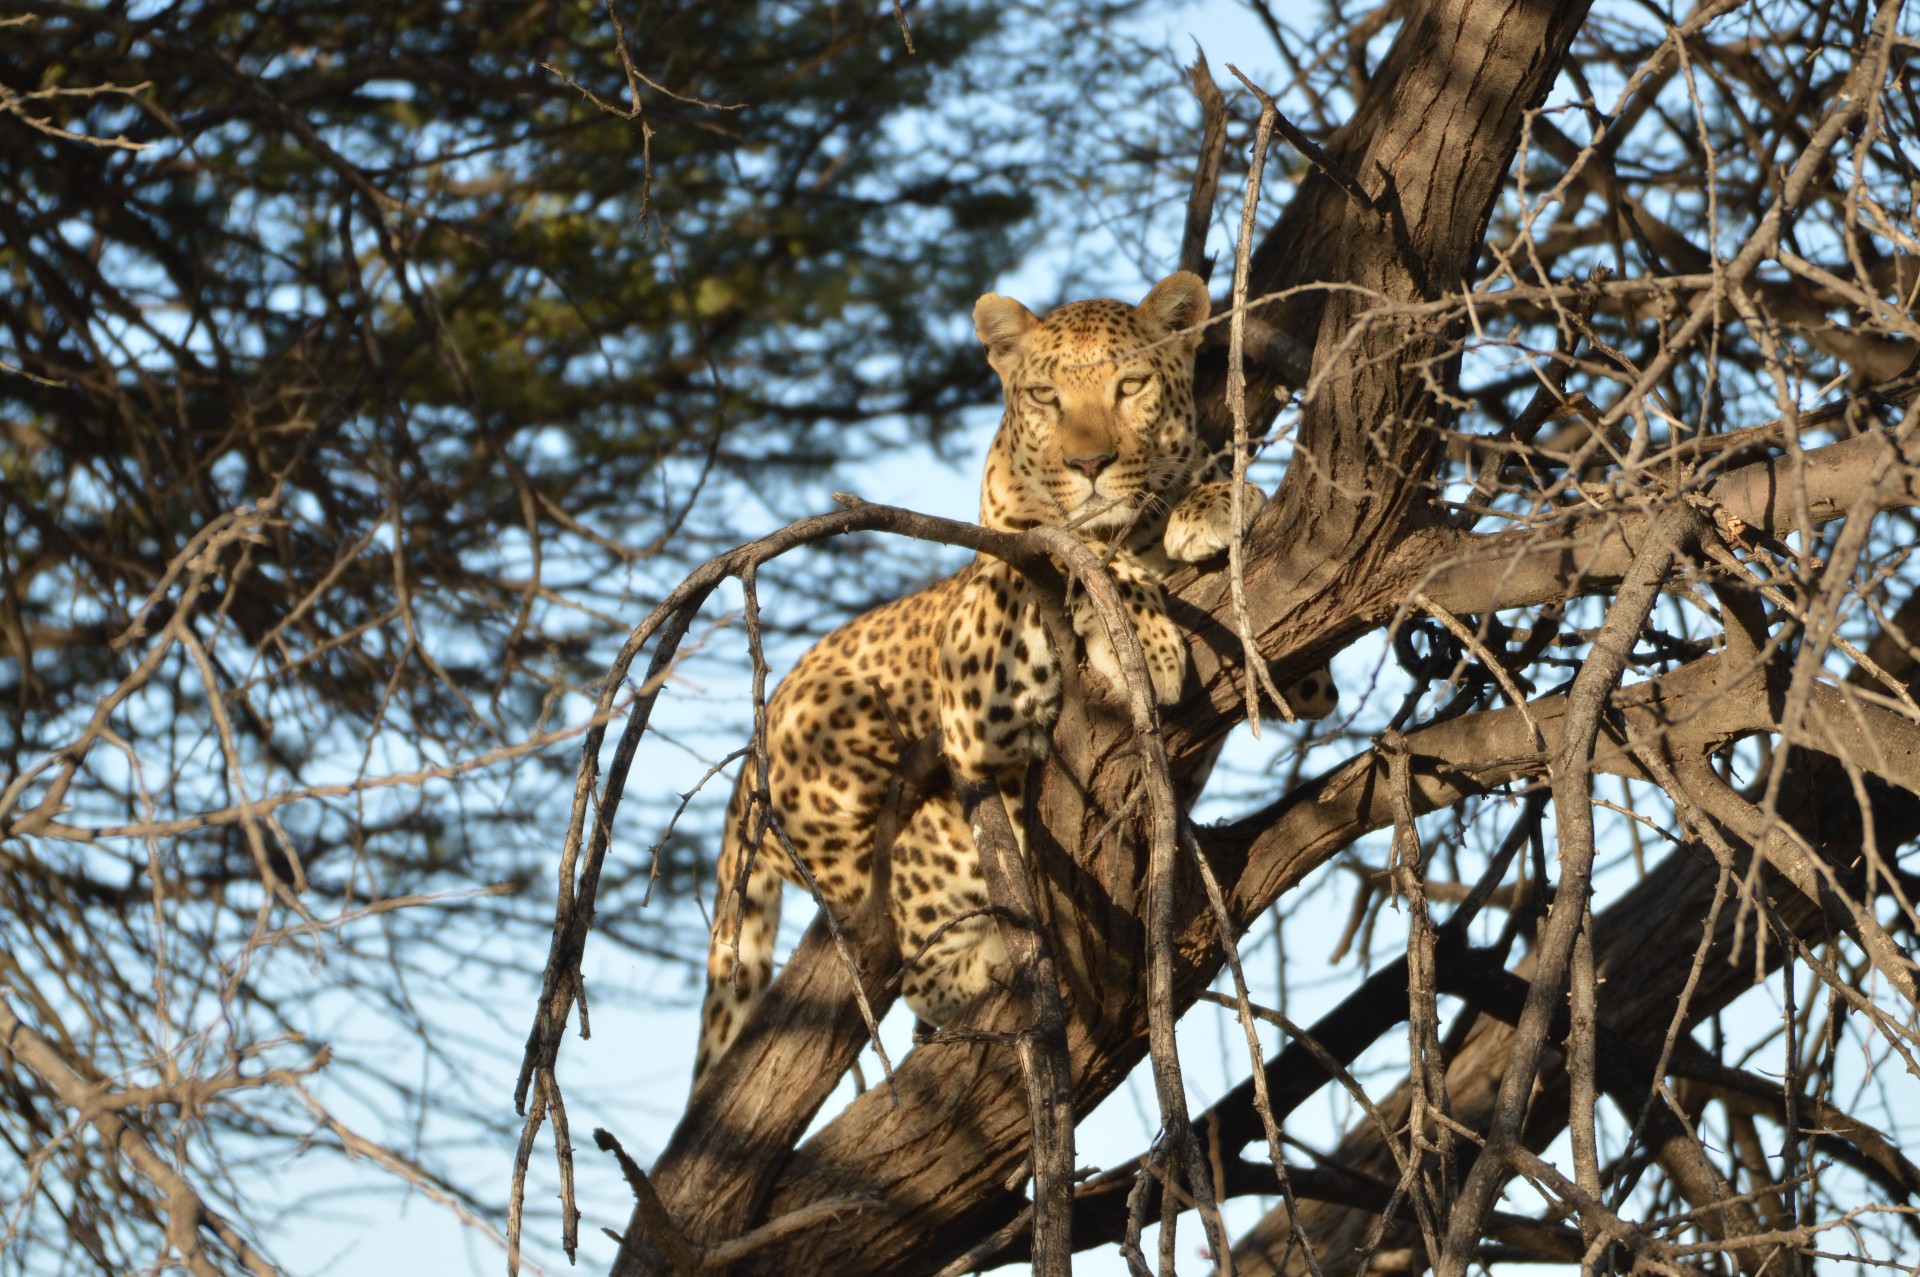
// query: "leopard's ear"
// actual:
[[1002, 324], [1177, 304]]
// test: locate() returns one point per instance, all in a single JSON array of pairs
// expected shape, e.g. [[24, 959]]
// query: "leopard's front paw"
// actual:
[[1201, 526], [1161, 642]]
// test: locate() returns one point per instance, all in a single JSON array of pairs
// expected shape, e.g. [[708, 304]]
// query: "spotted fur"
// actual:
[[1098, 436]]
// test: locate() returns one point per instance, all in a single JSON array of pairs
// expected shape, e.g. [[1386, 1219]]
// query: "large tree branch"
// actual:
[[1298, 617], [1590, 550]]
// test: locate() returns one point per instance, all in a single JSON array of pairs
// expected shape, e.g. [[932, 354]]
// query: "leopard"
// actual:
[[1099, 435]]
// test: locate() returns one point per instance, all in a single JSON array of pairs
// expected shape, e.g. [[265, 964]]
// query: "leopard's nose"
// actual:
[[1091, 464]]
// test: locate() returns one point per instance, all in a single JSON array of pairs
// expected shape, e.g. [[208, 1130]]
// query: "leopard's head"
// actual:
[[1099, 431]]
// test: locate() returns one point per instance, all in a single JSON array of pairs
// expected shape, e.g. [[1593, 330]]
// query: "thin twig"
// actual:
[[1255, 673]]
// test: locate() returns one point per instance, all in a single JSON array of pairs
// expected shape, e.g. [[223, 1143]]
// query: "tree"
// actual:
[[1640, 291], [366, 367], [359, 364]]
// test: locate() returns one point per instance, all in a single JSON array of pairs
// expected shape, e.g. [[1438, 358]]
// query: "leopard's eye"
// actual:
[[1042, 394], [1130, 386]]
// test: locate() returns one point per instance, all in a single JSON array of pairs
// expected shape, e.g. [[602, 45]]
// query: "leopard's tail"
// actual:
[[746, 916]]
